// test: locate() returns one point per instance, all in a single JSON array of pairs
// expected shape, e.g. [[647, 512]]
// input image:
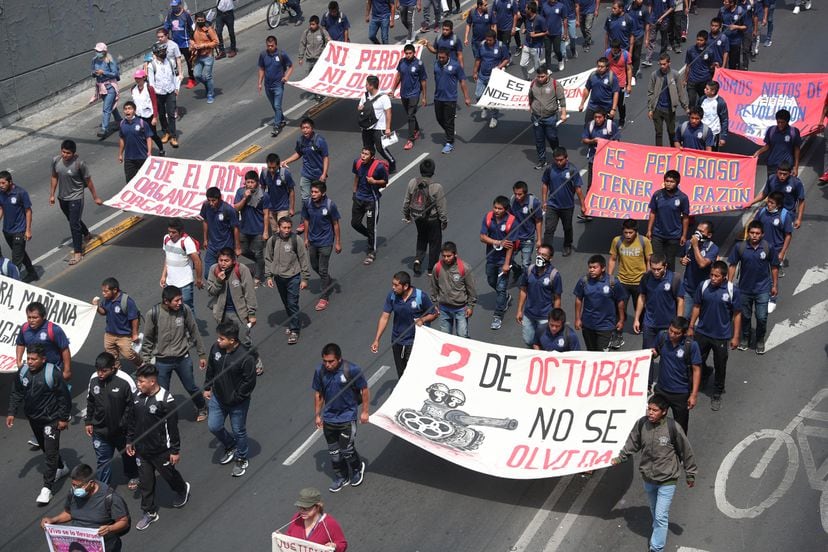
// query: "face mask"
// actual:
[[99, 55], [202, 24], [79, 492], [773, 210], [540, 262]]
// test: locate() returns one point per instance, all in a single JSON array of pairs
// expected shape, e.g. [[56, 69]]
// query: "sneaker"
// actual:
[[677, 49], [567, 251], [191, 83], [743, 345], [541, 165], [807, 5], [492, 122], [240, 468], [228, 456], [508, 302], [60, 473], [293, 338], [497, 323], [484, 113], [358, 476], [321, 305], [632, 82], [786, 263], [210, 98], [408, 145], [823, 179], [418, 267], [369, 258], [182, 498], [231, 54], [768, 43], [221, 55], [301, 228], [338, 484], [760, 347], [165, 138], [646, 63], [561, 64], [202, 415], [174, 142], [796, 10], [584, 218], [44, 497], [282, 123], [448, 148], [616, 340], [33, 444], [146, 521], [716, 402], [162, 153]]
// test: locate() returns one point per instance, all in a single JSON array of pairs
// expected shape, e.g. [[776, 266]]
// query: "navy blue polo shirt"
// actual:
[[570, 8], [694, 137], [53, 347], [274, 66], [736, 16], [554, 16], [601, 89], [587, 6], [220, 223], [380, 9], [366, 191], [776, 226], [607, 131], [340, 407], [782, 144], [668, 211], [639, 15], [719, 46], [502, 14], [313, 152], [618, 27], [699, 63], [600, 300], [750, 12], [134, 133], [557, 342], [661, 295], [541, 288], [405, 310], [252, 214], [693, 273], [320, 217], [526, 215], [491, 57], [480, 23], [412, 73], [658, 7], [450, 43], [497, 230], [557, 178], [755, 272], [278, 187], [14, 203], [717, 305], [336, 27], [664, 102], [446, 78], [672, 374], [536, 25], [118, 321]]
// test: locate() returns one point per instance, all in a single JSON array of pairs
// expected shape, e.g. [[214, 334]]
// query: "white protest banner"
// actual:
[[343, 67], [284, 543], [67, 538], [74, 316], [516, 413], [169, 187], [506, 91]]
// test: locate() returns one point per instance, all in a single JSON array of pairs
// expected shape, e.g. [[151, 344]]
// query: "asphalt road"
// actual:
[[411, 500]]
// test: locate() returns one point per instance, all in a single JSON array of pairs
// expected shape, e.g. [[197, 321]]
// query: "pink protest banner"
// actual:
[[754, 98], [625, 175], [169, 187], [68, 538], [343, 67]]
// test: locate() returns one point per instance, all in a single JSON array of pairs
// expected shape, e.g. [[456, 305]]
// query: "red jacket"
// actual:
[[326, 530]]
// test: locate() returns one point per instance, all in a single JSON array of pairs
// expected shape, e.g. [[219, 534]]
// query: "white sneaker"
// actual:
[[60, 473], [561, 65], [796, 10], [808, 5], [632, 82], [44, 497], [484, 113], [492, 122]]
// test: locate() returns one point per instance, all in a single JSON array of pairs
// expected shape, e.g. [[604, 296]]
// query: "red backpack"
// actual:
[[373, 167], [181, 241], [460, 267]]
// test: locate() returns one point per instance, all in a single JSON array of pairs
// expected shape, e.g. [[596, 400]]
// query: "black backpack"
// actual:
[[421, 205], [367, 117]]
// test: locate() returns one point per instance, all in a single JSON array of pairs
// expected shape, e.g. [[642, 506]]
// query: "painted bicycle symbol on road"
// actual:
[[817, 476]]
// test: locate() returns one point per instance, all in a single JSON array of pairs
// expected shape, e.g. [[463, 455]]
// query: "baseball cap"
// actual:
[[100, 47], [308, 497], [174, 3], [139, 74]]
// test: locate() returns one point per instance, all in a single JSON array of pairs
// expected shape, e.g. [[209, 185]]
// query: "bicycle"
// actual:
[[817, 477], [275, 11]]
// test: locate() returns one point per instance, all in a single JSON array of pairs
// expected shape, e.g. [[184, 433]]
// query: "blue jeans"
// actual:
[[210, 258], [569, 46], [274, 96], [661, 496], [73, 209], [238, 424], [545, 130], [187, 296], [109, 107], [294, 5], [759, 301], [531, 329], [105, 451], [184, 368], [289, 292], [381, 25], [475, 46], [688, 306], [453, 322], [203, 72], [479, 88], [527, 252], [499, 284]]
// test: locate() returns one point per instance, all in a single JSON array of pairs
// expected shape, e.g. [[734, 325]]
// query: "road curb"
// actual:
[[111, 233]]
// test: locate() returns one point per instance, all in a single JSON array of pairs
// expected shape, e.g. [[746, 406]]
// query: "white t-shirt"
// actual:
[[179, 264], [710, 117], [380, 105]]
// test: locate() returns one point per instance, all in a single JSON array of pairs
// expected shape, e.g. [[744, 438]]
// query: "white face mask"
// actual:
[[540, 262]]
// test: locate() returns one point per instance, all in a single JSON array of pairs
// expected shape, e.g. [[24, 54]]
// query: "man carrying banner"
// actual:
[[669, 218], [447, 74], [540, 291], [220, 228], [370, 177], [547, 106], [339, 389], [16, 212], [792, 189], [492, 54], [454, 291], [664, 96], [599, 306], [312, 524], [714, 114], [560, 183], [693, 133], [557, 336], [782, 144], [122, 321], [275, 69], [697, 258], [374, 110], [412, 307], [379, 14], [411, 77]]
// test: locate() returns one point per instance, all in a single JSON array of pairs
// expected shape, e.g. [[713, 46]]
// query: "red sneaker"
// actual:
[[408, 145], [191, 83], [824, 177], [301, 228]]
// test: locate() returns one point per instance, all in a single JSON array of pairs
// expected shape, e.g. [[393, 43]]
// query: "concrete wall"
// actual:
[[46, 46]]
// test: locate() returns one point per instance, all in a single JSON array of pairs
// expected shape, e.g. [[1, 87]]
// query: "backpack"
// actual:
[[108, 506], [373, 167], [418, 297], [124, 305], [671, 428], [621, 240], [675, 283], [460, 267], [421, 206], [367, 117], [783, 215], [235, 270], [346, 370], [585, 280], [729, 289], [49, 374], [609, 126], [705, 130], [510, 221], [50, 330], [774, 129], [181, 241], [742, 246], [688, 350]]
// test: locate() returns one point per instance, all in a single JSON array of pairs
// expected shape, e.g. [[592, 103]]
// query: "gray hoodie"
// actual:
[[659, 460]]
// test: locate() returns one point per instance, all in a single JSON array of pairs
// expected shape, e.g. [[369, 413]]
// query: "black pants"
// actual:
[[17, 243], [186, 53], [660, 119], [148, 464], [444, 112], [155, 137], [341, 448], [166, 112], [370, 211], [678, 404], [407, 19], [48, 437], [695, 90], [668, 247], [633, 292], [721, 349], [596, 340], [227, 18], [410, 105], [734, 60], [551, 223], [636, 54], [131, 168], [551, 43], [373, 138], [73, 210], [622, 109], [505, 37], [430, 237], [401, 355], [252, 246]]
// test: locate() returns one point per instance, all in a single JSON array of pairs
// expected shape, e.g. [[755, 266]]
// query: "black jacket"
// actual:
[[41, 403], [153, 424], [231, 376], [108, 403]]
